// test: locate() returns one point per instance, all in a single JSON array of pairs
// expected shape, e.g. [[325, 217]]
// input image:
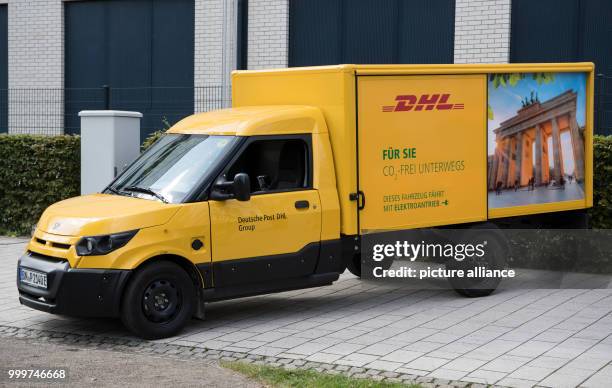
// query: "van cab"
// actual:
[[142, 249]]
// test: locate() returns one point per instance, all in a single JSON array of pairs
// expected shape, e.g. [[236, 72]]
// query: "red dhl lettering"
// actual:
[[410, 102]]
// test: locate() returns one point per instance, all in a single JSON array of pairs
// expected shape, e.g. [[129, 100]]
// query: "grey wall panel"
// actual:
[[315, 32], [544, 31], [426, 31], [370, 31]]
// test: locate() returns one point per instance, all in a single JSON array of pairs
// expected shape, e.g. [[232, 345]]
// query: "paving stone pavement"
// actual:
[[518, 338]]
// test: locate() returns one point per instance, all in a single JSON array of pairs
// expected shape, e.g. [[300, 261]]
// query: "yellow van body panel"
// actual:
[[98, 214], [457, 137], [170, 231], [190, 222], [253, 121], [265, 225], [63, 224], [329, 88], [55, 245], [324, 180]]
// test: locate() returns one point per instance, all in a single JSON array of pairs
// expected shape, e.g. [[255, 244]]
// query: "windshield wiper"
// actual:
[[147, 190], [112, 190]]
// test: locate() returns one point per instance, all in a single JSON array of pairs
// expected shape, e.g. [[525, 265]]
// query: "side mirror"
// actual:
[[242, 187], [239, 188]]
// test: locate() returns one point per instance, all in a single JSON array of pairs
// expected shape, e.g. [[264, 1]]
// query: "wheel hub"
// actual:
[[161, 301]]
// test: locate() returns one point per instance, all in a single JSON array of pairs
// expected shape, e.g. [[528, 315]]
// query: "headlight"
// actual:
[[101, 245]]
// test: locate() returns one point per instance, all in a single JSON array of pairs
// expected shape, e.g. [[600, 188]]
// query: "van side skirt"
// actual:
[[264, 268], [316, 264], [260, 288]]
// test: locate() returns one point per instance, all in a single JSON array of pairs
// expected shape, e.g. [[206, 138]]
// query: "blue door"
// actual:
[[141, 49], [324, 32], [3, 69], [568, 31]]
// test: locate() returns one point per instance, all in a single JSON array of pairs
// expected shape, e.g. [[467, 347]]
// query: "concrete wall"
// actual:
[[36, 60], [208, 42], [482, 31], [214, 52], [268, 30]]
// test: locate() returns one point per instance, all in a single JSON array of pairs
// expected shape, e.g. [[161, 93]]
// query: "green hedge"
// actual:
[[153, 137], [601, 213], [35, 171]]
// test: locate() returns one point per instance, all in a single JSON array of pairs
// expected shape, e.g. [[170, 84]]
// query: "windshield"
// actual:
[[172, 167]]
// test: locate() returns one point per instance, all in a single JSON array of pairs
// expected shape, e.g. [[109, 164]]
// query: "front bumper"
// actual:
[[71, 291]]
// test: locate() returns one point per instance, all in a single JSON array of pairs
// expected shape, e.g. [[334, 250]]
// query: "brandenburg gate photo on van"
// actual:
[[514, 160]]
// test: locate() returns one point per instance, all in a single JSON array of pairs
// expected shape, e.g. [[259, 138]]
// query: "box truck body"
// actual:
[[442, 114], [275, 193]]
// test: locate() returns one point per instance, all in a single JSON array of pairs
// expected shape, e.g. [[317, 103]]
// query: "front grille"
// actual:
[[41, 241], [47, 257], [60, 245]]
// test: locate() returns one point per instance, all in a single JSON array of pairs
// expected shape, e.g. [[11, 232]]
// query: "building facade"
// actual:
[[168, 58]]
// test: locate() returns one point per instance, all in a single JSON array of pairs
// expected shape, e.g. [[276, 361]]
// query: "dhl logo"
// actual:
[[410, 102]]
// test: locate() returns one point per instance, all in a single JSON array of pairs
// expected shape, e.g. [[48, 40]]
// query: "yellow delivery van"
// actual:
[[275, 193]]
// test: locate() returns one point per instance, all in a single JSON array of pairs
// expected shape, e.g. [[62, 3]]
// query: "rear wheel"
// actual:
[[496, 258], [158, 301], [354, 265]]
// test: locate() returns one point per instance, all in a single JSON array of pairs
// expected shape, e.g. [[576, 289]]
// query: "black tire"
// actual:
[[354, 265], [496, 259], [474, 293], [158, 301]]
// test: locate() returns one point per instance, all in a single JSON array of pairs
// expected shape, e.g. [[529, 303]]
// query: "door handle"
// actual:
[[302, 205]]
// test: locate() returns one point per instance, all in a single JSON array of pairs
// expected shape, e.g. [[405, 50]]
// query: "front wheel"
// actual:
[[158, 301]]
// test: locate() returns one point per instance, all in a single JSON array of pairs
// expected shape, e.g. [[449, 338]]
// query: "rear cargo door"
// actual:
[[422, 150]]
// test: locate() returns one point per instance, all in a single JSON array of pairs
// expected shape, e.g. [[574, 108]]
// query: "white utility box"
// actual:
[[110, 141]]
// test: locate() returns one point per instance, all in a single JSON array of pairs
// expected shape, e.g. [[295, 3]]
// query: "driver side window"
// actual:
[[274, 165]]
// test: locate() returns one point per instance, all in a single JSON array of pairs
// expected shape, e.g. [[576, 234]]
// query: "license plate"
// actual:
[[33, 278]]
